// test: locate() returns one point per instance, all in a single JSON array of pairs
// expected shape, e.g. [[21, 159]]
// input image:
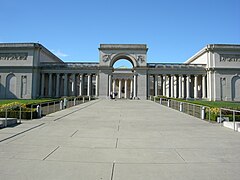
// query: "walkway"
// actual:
[[119, 140]]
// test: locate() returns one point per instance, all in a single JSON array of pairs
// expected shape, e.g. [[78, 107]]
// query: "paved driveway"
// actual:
[[119, 140]]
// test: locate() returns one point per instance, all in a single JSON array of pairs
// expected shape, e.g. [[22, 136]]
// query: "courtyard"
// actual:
[[119, 140]]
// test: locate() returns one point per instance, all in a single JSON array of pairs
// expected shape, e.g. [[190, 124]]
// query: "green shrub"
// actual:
[[15, 114]]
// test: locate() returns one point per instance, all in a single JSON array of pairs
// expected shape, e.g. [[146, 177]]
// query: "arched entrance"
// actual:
[[122, 78], [11, 88], [235, 89]]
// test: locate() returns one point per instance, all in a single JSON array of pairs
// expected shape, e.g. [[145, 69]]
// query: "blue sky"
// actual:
[[173, 30]]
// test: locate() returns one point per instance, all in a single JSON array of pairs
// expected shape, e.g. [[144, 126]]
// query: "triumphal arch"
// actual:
[[125, 82], [29, 70]]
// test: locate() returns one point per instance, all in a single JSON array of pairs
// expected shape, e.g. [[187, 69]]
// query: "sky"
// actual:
[[174, 30]]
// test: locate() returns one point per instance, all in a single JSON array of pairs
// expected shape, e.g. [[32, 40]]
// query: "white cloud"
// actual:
[[59, 53]]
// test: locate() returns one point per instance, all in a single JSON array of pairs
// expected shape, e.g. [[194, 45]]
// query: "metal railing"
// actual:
[[199, 111], [230, 115], [32, 111], [5, 120]]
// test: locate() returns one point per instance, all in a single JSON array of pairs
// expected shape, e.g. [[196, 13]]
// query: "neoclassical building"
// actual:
[[29, 70]]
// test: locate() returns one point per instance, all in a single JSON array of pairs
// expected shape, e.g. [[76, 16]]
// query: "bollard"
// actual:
[[48, 108], [64, 103], [181, 107], [5, 125], [54, 108], [83, 99], [20, 114], [168, 103], [74, 101], [39, 115], [203, 113], [234, 122], [61, 105], [31, 112], [89, 99], [209, 115], [220, 116], [160, 101]]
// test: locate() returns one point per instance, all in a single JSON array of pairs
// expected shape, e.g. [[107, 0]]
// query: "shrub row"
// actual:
[[15, 114]]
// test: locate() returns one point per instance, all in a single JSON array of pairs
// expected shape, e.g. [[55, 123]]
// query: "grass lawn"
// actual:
[[24, 101], [218, 104], [214, 104]]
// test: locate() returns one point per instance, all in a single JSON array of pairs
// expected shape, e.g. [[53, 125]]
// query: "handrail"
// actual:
[[233, 116], [201, 112], [38, 108]]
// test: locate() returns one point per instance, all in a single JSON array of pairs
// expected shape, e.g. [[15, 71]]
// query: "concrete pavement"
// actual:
[[119, 140]]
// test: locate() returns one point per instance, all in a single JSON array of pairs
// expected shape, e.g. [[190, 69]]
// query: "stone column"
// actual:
[[58, 85], [114, 87], [50, 85], [204, 86], [195, 86], [120, 88], [168, 84], [66, 84], [156, 85], [209, 85], [179, 86], [125, 95], [148, 84], [80, 84], [96, 86], [172, 86], [131, 89], [42, 85], [175, 86], [73, 84], [109, 85], [188, 87], [89, 85], [183, 87], [135, 86], [164, 85]]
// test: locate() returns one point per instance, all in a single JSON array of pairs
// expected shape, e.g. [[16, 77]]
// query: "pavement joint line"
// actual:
[[116, 144], [112, 173], [130, 163], [74, 133], [21, 132], [51, 153], [179, 155], [75, 111]]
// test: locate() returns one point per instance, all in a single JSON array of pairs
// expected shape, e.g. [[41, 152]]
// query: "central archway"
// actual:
[[122, 64], [123, 56], [122, 84]]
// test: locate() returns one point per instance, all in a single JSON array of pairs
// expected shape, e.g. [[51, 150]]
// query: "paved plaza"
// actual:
[[119, 140]]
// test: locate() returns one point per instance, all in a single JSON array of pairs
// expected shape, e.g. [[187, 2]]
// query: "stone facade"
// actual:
[[29, 70]]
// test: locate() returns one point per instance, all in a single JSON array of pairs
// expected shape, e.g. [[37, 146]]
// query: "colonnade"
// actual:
[[123, 87], [68, 84], [178, 86]]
